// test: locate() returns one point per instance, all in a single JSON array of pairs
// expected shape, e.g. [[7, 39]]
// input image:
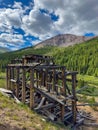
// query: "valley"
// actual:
[[79, 57]]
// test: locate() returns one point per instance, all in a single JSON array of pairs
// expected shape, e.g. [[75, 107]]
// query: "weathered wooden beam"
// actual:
[[74, 97], [37, 78], [13, 80], [8, 76], [53, 81], [40, 78], [17, 83], [62, 112], [47, 106], [23, 85], [40, 104], [43, 78], [7, 79], [64, 81], [31, 88], [50, 97], [46, 79], [50, 115]]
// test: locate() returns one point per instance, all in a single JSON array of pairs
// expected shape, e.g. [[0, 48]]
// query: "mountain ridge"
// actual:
[[4, 49], [63, 40]]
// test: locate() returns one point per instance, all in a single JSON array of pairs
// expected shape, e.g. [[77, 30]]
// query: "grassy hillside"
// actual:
[[19, 117], [80, 57]]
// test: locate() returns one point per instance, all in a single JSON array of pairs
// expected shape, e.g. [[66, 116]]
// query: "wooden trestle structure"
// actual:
[[46, 87]]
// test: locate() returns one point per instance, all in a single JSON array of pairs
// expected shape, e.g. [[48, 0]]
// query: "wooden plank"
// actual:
[[13, 80], [47, 106], [40, 104], [49, 96]]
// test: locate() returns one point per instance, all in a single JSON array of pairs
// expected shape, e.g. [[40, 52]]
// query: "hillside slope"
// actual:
[[63, 40], [20, 117], [81, 57]]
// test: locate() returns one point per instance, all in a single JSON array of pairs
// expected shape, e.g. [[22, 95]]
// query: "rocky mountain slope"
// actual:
[[63, 40]]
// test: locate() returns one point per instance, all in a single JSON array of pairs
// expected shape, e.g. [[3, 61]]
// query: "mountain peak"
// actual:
[[63, 40]]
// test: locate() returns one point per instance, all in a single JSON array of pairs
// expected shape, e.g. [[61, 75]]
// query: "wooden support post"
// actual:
[[12, 77], [42, 82], [74, 98], [31, 88], [53, 81], [24, 61], [64, 81], [41, 77], [46, 78], [17, 83], [8, 76], [37, 78], [23, 85], [62, 112]]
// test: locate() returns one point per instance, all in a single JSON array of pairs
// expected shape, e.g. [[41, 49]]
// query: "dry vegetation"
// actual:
[[20, 117]]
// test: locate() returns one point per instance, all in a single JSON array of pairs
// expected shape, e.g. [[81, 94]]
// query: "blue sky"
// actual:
[[24, 23]]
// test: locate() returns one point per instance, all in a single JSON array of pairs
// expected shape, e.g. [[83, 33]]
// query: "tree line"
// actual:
[[80, 57]]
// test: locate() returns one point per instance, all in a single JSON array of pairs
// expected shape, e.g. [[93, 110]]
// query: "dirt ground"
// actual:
[[94, 115], [8, 127]]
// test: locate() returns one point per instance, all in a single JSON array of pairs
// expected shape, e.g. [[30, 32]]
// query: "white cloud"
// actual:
[[11, 18], [11, 39], [75, 16], [17, 5], [37, 24]]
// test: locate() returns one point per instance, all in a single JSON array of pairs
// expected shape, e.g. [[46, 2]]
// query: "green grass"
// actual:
[[91, 82], [89, 79], [2, 80]]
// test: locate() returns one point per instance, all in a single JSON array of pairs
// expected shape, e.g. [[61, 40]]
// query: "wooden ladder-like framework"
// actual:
[[46, 87]]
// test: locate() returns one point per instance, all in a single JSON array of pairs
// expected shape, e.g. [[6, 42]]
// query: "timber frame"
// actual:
[[46, 87]]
